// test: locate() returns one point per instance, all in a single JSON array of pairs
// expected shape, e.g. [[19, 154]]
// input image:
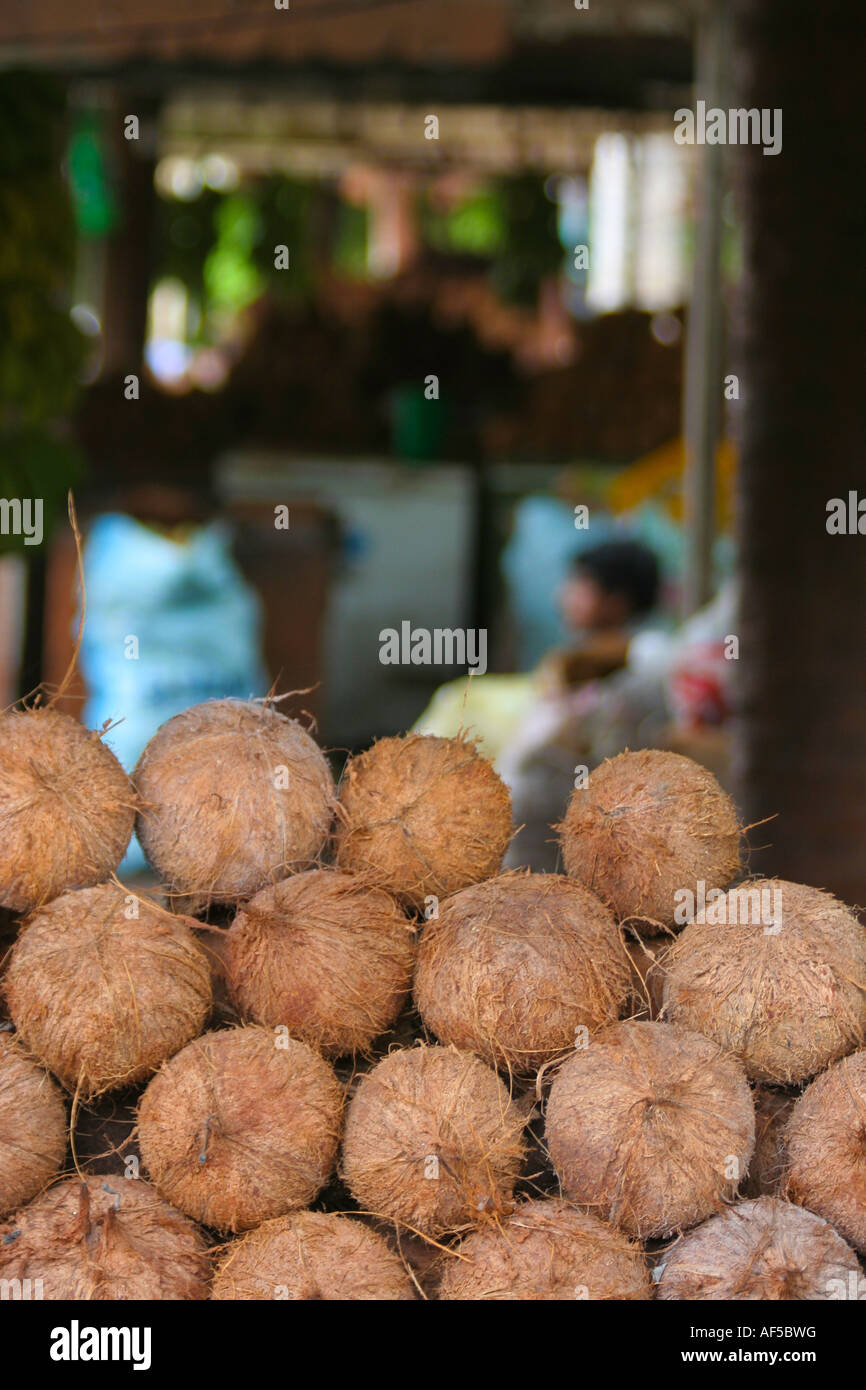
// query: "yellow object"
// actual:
[[488, 708], [659, 476]]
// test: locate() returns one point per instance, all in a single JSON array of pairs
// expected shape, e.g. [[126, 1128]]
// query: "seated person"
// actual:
[[604, 600], [592, 699]]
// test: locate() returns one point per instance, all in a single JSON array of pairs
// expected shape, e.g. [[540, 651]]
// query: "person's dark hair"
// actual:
[[626, 568]]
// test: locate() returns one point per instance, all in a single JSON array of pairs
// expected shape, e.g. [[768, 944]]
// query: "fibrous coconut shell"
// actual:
[[235, 797], [788, 996], [763, 1249], [650, 1127], [104, 1239], [515, 969], [241, 1126], [547, 1250], [32, 1127], [103, 985], [422, 816], [312, 1255], [825, 1139], [433, 1140], [325, 955], [646, 826], [66, 808]]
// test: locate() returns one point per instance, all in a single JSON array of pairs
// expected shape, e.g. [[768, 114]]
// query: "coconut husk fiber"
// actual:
[[32, 1127], [547, 1250], [103, 985], [513, 968], [66, 808], [105, 1133], [646, 979], [421, 816], [419, 1257], [312, 1255], [105, 1239], [788, 999], [650, 1127], [325, 955], [235, 797], [433, 1140], [765, 1249], [241, 1126], [213, 943], [825, 1139], [766, 1170], [647, 825]]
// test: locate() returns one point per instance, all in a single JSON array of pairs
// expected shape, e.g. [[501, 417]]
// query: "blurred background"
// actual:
[[347, 314]]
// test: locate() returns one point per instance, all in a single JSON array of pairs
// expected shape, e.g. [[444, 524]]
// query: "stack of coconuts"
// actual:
[[357, 1061]]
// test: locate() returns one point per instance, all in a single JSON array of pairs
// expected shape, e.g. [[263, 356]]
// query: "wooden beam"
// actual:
[[129, 247], [702, 394]]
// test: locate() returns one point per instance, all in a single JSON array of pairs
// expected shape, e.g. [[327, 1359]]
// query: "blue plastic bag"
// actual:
[[169, 623]]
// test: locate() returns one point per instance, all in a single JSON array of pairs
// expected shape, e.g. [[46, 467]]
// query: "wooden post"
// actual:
[[800, 335], [128, 251], [702, 392]]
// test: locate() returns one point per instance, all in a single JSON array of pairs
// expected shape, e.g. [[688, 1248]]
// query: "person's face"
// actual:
[[585, 606]]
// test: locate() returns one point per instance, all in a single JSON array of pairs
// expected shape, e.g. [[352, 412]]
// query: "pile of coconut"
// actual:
[[336, 1052]]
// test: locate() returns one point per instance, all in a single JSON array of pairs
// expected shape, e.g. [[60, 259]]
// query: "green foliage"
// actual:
[[531, 249], [221, 246], [33, 464], [184, 235], [287, 214], [32, 107], [351, 241], [41, 351], [510, 223], [231, 279], [474, 227]]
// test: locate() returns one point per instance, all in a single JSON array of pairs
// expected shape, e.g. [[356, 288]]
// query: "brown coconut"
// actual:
[[32, 1127], [647, 825], [66, 808], [763, 1249], [326, 956], [826, 1147], [518, 968], [788, 997], [241, 1126], [547, 1250], [104, 1239], [433, 1140], [766, 1170], [650, 1127], [103, 997], [422, 816], [235, 796], [312, 1255]]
